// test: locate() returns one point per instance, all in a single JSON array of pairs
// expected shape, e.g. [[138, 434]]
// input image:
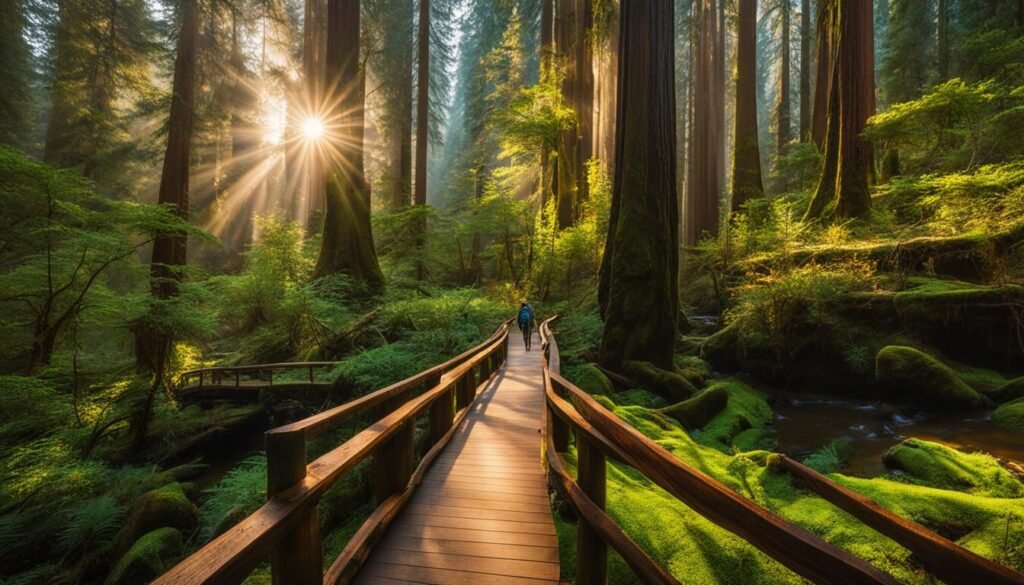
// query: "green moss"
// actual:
[[696, 412], [746, 414], [148, 557], [916, 375], [1012, 390], [984, 381], [936, 465], [590, 378], [639, 397], [159, 508], [829, 458], [1010, 415], [670, 385]]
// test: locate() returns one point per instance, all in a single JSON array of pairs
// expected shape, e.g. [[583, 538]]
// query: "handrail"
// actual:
[[215, 372], [286, 528], [796, 548], [600, 433]]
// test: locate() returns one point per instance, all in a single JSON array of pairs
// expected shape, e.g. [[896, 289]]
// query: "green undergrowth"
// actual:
[[697, 551]]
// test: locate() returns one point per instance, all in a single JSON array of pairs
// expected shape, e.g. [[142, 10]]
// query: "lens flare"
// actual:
[[313, 128]]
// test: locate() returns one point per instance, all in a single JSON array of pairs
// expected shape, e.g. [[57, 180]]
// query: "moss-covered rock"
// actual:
[[590, 378], [914, 374], [639, 397], [1012, 390], [148, 558], [743, 424], [699, 410], [1010, 415], [722, 348], [160, 508], [671, 385], [936, 465]]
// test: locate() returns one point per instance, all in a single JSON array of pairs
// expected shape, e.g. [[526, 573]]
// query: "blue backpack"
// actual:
[[525, 316]]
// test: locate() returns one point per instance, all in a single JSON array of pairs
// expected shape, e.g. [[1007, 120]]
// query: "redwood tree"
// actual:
[[805, 70], [704, 185], [422, 102], [347, 246], [746, 160], [567, 160], [848, 157], [639, 291], [823, 72], [784, 78]]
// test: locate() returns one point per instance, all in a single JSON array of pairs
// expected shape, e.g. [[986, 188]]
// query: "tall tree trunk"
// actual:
[[347, 246], [784, 79], [169, 251], [639, 292], [422, 103], [848, 157], [703, 186], [403, 191], [824, 73], [313, 42], [546, 58], [568, 145], [746, 170], [805, 70], [943, 40], [584, 94]]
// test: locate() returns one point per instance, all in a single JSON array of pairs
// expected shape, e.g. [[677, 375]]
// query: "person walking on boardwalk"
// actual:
[[525, 321]]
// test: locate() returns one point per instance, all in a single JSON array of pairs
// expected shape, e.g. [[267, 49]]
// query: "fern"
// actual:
[[92, 525], [243, 489]]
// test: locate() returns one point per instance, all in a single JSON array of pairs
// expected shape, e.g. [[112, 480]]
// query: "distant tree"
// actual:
[[704, 186], [422, 102], [806, 61], [102, 51], [567, 163], [823, 69], [16, 110], [784, 133], [347, 246], [848, 156], [638, 291], [746, 174]]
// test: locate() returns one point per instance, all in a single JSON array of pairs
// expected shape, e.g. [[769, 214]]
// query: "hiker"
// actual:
[[525, 321]]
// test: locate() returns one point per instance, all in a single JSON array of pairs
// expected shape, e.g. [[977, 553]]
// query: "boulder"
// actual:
[[165, 507], [935, 465], [668, 384], [1012, 390], [699, 410], [149, 557], [916, 375], [1010, 415]]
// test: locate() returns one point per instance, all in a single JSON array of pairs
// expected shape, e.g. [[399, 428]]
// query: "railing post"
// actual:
[[298, 557], [311, 381], [200, 378], [591, 550], [559, 428], [394, 458], [442, 413]]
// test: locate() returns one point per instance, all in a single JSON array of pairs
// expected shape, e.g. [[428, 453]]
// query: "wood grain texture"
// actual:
[[481, 514]]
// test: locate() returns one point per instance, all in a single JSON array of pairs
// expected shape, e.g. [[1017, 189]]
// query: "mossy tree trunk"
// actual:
[[347, 246], [704, 182], [746, 175], [848, 157], [638, 289], [823, 73]]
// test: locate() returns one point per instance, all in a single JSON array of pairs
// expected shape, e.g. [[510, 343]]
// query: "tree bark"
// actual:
[[422, 103], [785, 124], [638, 289], [746, 174], [403, 191], [805, 70], [546, 57], [347, 246], [848, 157], [704, 187], [823, 67], [568, 144], [584, 94], [313, 72], [169, 251]]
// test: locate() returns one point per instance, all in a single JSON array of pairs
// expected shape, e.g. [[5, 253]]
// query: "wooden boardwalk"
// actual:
[[481, 515]]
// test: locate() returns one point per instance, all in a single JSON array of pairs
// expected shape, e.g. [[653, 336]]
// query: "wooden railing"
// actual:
[[233, 375], [286, 528], [600, 434]]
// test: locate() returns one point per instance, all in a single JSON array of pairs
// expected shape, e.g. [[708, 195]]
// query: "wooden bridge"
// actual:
[[473, 508], [244, 383]]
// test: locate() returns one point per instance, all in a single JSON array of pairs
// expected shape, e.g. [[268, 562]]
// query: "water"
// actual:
[[807, 423]]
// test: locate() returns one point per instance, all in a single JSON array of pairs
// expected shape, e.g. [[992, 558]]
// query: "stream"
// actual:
[[807, 423]]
